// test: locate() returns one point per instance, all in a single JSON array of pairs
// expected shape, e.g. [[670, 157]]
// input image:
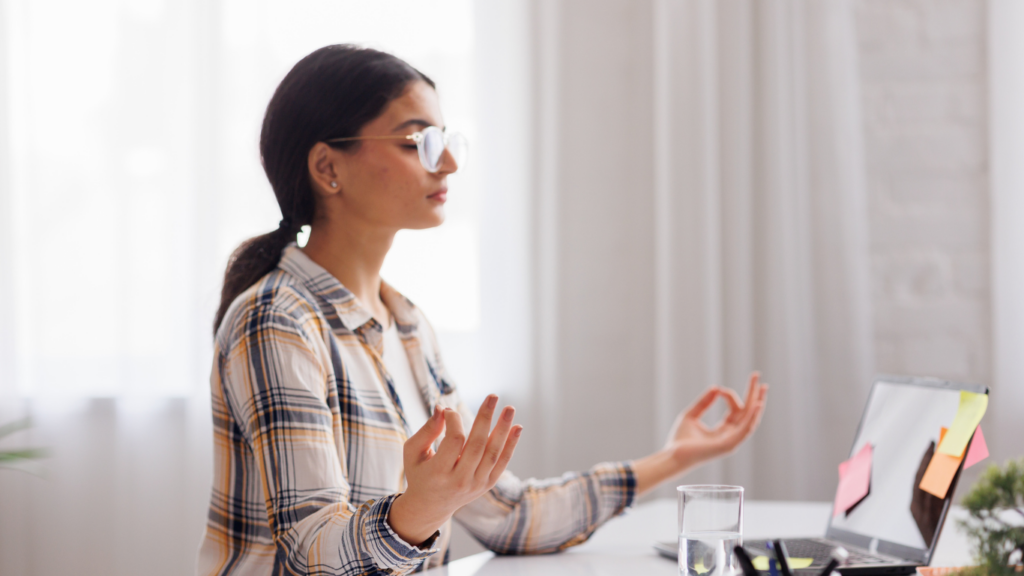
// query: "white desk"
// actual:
[[623, 545]]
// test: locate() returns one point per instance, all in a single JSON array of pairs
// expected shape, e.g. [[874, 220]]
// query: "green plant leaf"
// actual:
[[33, 467], [24, 454], [996, 523]]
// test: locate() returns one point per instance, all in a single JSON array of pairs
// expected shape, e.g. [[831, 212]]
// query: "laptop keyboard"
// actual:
[[819, 551]]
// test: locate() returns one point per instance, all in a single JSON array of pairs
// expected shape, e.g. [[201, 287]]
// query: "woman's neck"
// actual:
[[354, 255]]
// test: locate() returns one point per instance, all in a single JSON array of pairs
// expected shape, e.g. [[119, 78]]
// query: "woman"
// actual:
[[341, 447]]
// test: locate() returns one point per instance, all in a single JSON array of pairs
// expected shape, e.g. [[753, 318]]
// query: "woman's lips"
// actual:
[[440, 196]]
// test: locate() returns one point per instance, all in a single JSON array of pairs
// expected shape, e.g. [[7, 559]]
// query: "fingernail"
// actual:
[[509, 413], [492, 401], [517, 432]]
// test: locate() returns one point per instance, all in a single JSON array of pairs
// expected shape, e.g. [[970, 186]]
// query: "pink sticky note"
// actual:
[[854, 480], [978, 450]]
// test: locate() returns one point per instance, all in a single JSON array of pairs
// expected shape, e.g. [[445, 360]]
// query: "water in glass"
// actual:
[[708, 553]]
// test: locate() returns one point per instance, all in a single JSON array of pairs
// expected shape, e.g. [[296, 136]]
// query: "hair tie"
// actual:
[[285, 224]]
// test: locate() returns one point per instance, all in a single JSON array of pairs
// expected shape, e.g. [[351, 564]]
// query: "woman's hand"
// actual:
[[463, 468], [691, 442]]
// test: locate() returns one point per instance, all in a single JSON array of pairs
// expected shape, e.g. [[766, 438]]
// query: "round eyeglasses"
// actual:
[[431, 142]]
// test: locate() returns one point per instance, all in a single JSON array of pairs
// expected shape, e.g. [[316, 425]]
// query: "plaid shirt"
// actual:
[[308, 436]]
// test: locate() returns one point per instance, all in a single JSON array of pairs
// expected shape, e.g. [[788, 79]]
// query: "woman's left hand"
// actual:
[[692, 442]]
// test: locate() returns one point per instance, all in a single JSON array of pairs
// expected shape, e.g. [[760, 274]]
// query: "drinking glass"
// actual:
[[710, 525]]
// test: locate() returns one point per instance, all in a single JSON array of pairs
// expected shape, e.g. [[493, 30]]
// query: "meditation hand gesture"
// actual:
[[691, 442], [462, 469]]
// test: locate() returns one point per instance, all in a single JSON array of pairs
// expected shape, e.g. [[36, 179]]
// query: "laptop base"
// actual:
[[862, 562]]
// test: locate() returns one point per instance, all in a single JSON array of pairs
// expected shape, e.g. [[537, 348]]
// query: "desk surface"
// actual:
[[624, 544]]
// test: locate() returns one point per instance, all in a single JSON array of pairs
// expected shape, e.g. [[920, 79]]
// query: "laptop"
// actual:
[[894, 529]]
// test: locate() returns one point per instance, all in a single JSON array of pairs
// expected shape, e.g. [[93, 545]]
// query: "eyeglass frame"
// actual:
[[417, 137]]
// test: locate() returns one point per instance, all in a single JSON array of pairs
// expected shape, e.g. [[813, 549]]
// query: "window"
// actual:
[[130, 171]]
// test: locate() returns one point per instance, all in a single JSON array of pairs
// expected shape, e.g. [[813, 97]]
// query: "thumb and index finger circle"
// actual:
[[698, 408]]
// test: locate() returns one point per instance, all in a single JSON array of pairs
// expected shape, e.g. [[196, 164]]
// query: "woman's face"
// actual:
[[381, 183]]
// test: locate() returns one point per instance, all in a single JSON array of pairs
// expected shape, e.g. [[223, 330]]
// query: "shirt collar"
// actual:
[[329, 289], [403, 310]]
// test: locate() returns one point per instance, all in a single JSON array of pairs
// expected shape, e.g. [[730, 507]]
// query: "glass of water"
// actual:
[[710, 525]]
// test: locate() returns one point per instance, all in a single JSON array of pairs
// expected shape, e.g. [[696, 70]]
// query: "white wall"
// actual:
[[923, 67], [1006, 139]]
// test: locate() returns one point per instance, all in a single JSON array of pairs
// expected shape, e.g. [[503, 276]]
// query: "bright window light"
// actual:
[[134, 172]]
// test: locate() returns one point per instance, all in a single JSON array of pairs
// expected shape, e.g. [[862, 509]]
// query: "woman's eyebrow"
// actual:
[[414, 122]]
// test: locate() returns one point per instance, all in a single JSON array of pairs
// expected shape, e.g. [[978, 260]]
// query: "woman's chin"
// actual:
[[432, 220]]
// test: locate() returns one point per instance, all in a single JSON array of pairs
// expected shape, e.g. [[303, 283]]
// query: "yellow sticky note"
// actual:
[[761, 563], [968, 416]]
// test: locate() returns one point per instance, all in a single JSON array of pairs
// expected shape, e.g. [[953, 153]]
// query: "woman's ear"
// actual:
[[325, 171]]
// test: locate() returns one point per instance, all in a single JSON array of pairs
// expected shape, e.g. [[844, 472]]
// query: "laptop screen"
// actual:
[[902, 422]]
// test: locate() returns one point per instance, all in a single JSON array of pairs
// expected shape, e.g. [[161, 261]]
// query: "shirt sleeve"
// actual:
[[539, 516], [279, 394]]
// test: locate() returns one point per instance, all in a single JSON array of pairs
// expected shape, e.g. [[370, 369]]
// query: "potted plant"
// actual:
[[996, 522]]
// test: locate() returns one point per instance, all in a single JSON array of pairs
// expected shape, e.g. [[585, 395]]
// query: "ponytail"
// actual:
[[331, 93], [254, 259]]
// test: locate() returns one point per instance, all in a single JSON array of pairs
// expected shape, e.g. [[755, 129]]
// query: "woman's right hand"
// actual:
[[460, 471]]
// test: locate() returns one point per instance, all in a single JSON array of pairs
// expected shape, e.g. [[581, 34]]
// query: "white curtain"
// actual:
[[129, 169], [111, 252], [701, 213], [123, 490]]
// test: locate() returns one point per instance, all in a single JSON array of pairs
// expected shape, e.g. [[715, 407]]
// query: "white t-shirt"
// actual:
[[397, 363]]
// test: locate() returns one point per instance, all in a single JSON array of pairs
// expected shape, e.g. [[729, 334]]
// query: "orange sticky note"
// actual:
[[978, 450], [940, 471], [854, 480]]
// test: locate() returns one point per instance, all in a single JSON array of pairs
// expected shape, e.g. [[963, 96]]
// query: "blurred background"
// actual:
[[661, 195]]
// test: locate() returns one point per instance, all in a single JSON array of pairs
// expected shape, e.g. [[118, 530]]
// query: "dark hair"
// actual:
[[332, 93]]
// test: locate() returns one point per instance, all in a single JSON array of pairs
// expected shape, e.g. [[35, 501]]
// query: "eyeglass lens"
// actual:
[[433, 146]]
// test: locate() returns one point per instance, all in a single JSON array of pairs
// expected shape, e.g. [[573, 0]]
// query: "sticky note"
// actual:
[[761, 563], [940, 471], [968, 416], [854, 480], [798, 563], [978, 450]]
